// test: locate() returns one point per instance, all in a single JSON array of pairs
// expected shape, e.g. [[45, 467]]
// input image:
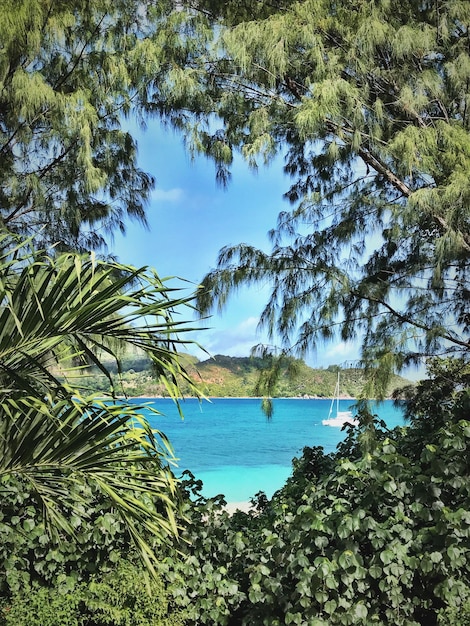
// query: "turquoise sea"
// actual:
[[231, 446]]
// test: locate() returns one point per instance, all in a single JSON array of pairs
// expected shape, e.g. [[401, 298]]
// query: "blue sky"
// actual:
[[191, 219]]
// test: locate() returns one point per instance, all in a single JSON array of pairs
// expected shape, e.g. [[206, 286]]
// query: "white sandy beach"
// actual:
[[231, 507]]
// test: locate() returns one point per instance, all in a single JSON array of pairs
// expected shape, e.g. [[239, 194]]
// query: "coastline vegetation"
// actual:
[[232, 377]]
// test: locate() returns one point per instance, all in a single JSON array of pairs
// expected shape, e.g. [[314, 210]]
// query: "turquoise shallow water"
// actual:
[[230, 445]]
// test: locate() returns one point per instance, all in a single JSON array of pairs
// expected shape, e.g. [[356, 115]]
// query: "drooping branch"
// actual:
[[411, 321]]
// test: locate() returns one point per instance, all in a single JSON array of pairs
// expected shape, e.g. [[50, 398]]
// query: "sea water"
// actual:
[[230, 445]]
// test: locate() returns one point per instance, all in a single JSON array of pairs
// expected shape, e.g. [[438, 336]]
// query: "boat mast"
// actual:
[[337, 396]]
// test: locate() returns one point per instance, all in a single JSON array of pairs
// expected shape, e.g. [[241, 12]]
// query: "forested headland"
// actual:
[[367, 105], [227, 376]]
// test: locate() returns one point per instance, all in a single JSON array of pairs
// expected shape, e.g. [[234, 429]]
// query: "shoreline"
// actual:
[[232, 507], [209, 398]]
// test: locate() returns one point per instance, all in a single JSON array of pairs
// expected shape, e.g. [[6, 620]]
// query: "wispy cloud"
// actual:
[[343, 351], [168, 195], [236, 341]]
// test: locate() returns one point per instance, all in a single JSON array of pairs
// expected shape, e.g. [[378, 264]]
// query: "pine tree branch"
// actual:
[[43, 173], [411, 321], [79, 57], [379, 166]]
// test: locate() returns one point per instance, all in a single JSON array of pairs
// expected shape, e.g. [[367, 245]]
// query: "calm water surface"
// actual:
[[230, 445]]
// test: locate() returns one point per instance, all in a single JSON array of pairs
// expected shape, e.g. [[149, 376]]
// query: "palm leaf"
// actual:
[[84, 441], [57, 311]]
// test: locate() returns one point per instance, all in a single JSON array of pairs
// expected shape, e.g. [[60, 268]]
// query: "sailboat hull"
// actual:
[[342, 418]]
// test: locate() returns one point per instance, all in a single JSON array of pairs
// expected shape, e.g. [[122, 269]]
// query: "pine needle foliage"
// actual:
[[368, 104], [70, 75]]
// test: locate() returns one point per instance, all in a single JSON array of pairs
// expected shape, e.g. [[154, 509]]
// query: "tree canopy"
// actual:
[[368, 103], [70, 75]]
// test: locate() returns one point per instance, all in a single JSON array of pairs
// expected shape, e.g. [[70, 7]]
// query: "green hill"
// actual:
[[237, 376], [225, 376]]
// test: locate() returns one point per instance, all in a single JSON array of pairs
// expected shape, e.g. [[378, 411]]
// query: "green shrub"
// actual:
[[41, 607], [123, 597], [377, 533], [455, 615], [30, 553]]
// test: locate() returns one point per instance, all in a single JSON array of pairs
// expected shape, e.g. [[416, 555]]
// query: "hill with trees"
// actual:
[[226, 376]]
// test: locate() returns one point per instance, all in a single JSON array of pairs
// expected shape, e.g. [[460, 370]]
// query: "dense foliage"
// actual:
[[378, 533], [368, 104], [121, 597]]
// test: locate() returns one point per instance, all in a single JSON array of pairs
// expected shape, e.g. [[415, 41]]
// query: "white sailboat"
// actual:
[[341, 417]]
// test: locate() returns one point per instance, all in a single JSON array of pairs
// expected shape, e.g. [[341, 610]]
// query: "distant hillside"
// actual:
[[225, 376], [237, 376]]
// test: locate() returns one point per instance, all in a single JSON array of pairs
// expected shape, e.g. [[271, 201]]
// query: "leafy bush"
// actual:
[[30, 554], [122, 597], [378, 533], [455, 615]]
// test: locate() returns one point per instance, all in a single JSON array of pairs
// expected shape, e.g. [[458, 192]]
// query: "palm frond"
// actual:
[[60, 311], [109, 447]]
